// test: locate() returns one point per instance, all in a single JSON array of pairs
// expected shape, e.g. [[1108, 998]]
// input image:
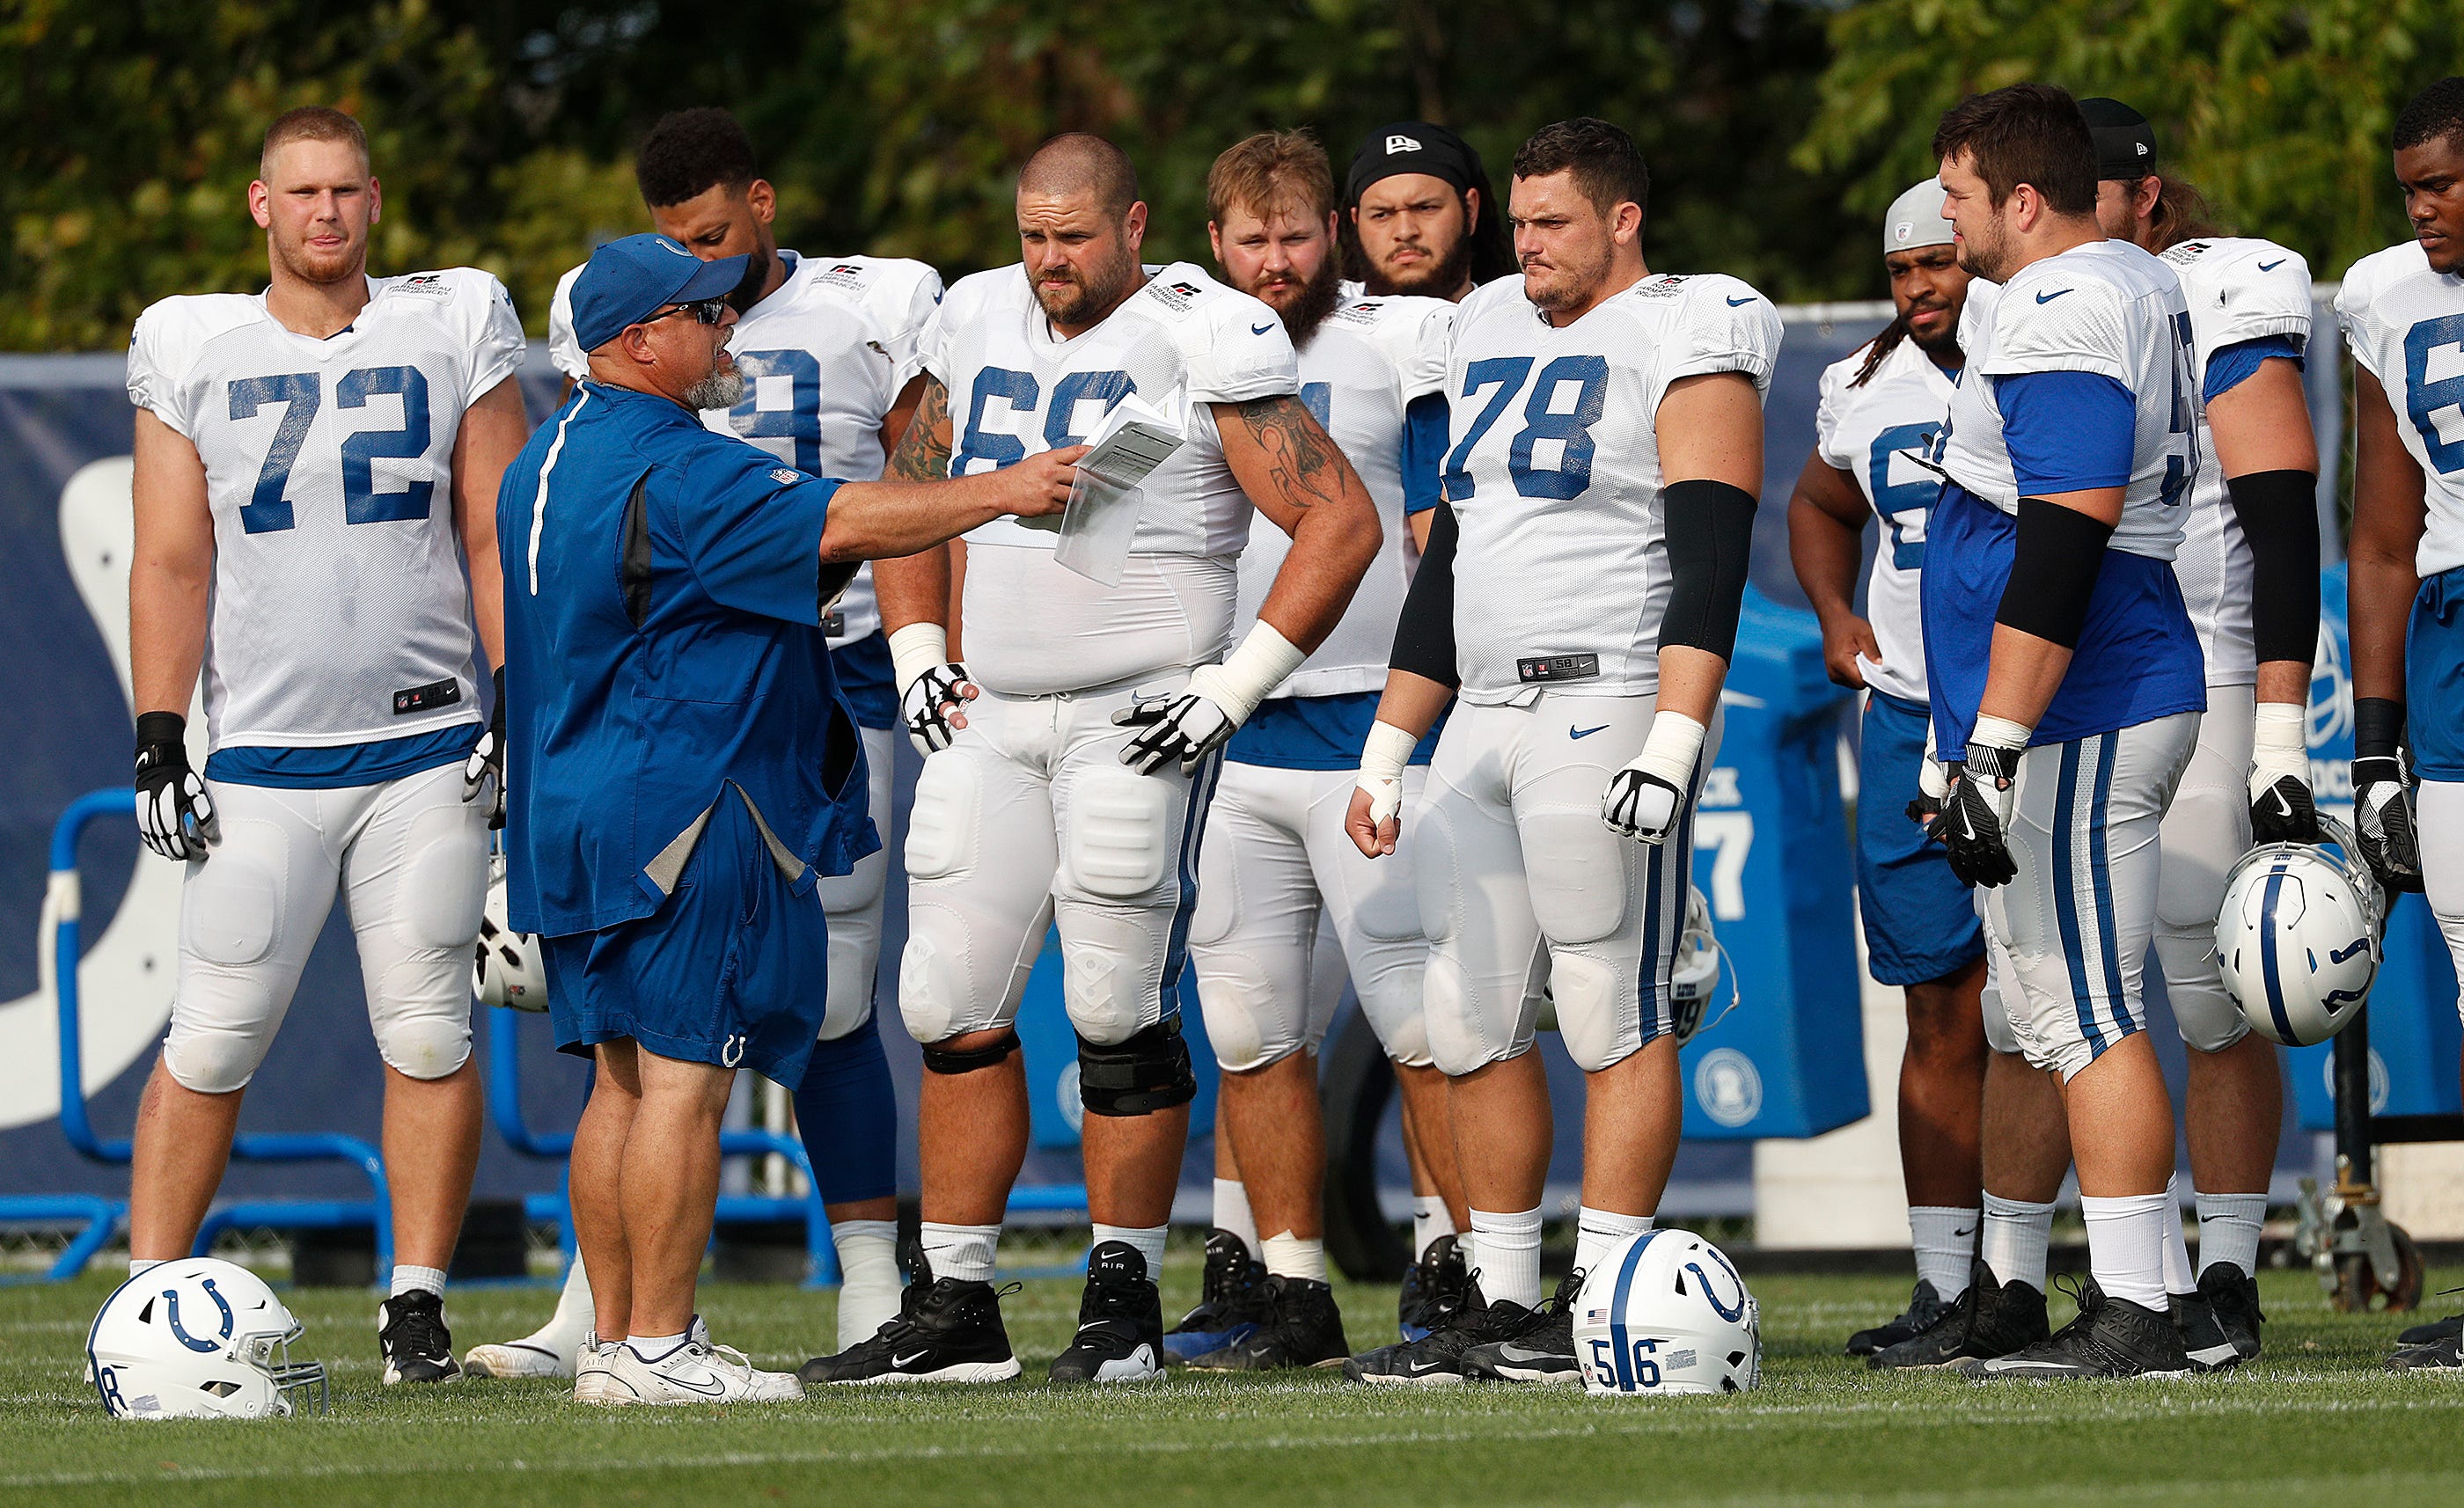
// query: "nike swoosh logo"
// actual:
[[1961, 1234], [1738, 303], [902, 1361], [713, 1390], [2284, 807], [1260, 329], [1584, 733], [2046, 299], [1418, 1368], [2269, 266]]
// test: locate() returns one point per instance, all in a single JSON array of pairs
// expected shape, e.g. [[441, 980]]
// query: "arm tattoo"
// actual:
[[923, 453], [1303, 463]]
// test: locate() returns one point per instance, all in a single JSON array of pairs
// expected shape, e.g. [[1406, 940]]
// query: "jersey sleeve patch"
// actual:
[[2062, 322], [1242, 352], [1723, 327]]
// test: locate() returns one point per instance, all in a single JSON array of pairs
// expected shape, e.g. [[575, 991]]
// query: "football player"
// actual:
[[1419, 215], [2403, 313], [2067, 679], [1581, 587], [827, 349], [315, 471], [1075, 751], [1275, 860], [1880, 407]]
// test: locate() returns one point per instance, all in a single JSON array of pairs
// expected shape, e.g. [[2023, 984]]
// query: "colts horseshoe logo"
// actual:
[[171, 1297], [1703, 1280]]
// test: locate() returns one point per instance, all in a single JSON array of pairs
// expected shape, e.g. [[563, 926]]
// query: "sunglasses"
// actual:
[[706, 311]]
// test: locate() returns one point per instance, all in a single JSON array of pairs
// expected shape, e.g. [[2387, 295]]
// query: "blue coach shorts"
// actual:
[[2433, 677], [1919, 920], [865, 675], [733, 969]]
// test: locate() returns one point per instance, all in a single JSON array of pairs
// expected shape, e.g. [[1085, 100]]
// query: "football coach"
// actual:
[[681, 769]]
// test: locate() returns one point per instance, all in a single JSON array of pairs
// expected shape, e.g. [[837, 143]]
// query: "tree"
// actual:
[[2279, 110]]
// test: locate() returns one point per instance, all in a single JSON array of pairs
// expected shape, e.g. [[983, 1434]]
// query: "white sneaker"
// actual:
[[694, 1372], [590, 1371], [536, 1355]]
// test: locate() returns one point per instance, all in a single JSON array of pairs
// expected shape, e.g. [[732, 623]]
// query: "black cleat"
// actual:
[[1925, 1308], [1301, 1327], [1990, 1318], [1434, 1286], [1229, 1300], [2443, 1355], [2432, 1331], [946, 1332], [1120, 1322], [1437, 1359], [2231, 1297], [413, 1341], [2112, 1338], [1544, 1352]]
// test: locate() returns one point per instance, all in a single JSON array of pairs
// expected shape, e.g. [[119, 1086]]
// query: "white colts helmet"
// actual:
[[2299, 937], [1666, 1312], [199, 1339], [507, 970], [1693, 979]]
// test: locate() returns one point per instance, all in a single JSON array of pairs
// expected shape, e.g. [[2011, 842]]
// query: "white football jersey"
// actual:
[[2238, 290], [1881, 432], [1360, 370], [2405, 325], [825, 357], [2106, 307], [1182, 342], [339, 612], [1553, 470]]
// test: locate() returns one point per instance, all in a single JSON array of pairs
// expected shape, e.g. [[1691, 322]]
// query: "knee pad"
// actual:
[[2206, 1016], [1244, 1023], [429, 1044], [942, 825], [1999, 1034], [966, 1061], [1457, 1045], [1579, 882], [212, 1060], [445, 880], [1146, 1072], [1594, 1010], [853, 962], [936, 994], [1111, 970], [1117, 844], [1405, 1036]]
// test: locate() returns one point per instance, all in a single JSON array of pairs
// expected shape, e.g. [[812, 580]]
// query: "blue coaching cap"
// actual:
[[629, 280]]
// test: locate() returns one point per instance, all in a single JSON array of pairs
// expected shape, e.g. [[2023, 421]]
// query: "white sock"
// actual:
[[2228, 1226], [1289, 1256], [655, 1348], [1232, 1211], [1429, 1221], [962, 1252], [1945, 1239], [425, 1280], [569, 1329], [2125, 1245], [1509, 1246], [2179, 1277], [1595, 1231], [869, 1286], [139, 1264], [1147, 1239], [2017, 1235]]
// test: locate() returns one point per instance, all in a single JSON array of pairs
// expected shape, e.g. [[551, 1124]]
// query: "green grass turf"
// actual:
[[2315, 1420]]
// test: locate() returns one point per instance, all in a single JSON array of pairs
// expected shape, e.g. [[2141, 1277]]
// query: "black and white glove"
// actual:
[[1644, 798], [2280, 808], [174, 813], [933, 688], [1188, 725], [1976, 813], [2381, 801], [485, 769]]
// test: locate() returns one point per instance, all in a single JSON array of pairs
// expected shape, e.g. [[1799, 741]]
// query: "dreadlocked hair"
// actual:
[[1878, 349]]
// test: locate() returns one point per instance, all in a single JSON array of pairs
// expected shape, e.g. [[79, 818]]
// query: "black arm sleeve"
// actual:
[[1711, 531], [2279, 517], [2054, 567], [1424, 637]]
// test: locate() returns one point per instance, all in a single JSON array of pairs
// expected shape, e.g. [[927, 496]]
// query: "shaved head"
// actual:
[[1076, 162]]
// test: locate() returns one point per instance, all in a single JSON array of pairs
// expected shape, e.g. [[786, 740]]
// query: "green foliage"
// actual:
[[2279, 109]]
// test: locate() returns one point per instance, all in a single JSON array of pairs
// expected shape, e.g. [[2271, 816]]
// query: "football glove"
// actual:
[[2381, 803], [2280, 808], [485, 769], [1977, 811], [1643, 800], [934, 686], [175, 816], [1199, 719]]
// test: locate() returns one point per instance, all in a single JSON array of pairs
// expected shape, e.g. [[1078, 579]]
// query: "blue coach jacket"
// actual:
[[663, 644]]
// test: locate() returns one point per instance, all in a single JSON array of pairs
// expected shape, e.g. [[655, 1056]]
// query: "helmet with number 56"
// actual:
[[199, 1339], [1666, 1312]]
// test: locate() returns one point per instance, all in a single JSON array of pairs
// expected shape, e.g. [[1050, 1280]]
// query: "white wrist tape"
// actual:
[[1675, 743], [2280, 742], [2000, 733], [917, 648], [1384, 758], [1932, 780], [1257, 667]]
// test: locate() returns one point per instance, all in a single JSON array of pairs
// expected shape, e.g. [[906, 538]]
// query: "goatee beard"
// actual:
[[722, 388]]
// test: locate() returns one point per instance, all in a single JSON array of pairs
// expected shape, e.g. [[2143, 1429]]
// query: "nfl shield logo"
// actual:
[[781, 475]]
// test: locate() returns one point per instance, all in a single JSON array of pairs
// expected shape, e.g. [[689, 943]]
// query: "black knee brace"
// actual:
[[1147, 1073], [966, 1061]]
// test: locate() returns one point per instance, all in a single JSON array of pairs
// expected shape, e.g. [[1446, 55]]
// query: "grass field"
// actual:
[[2315, 1420]]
